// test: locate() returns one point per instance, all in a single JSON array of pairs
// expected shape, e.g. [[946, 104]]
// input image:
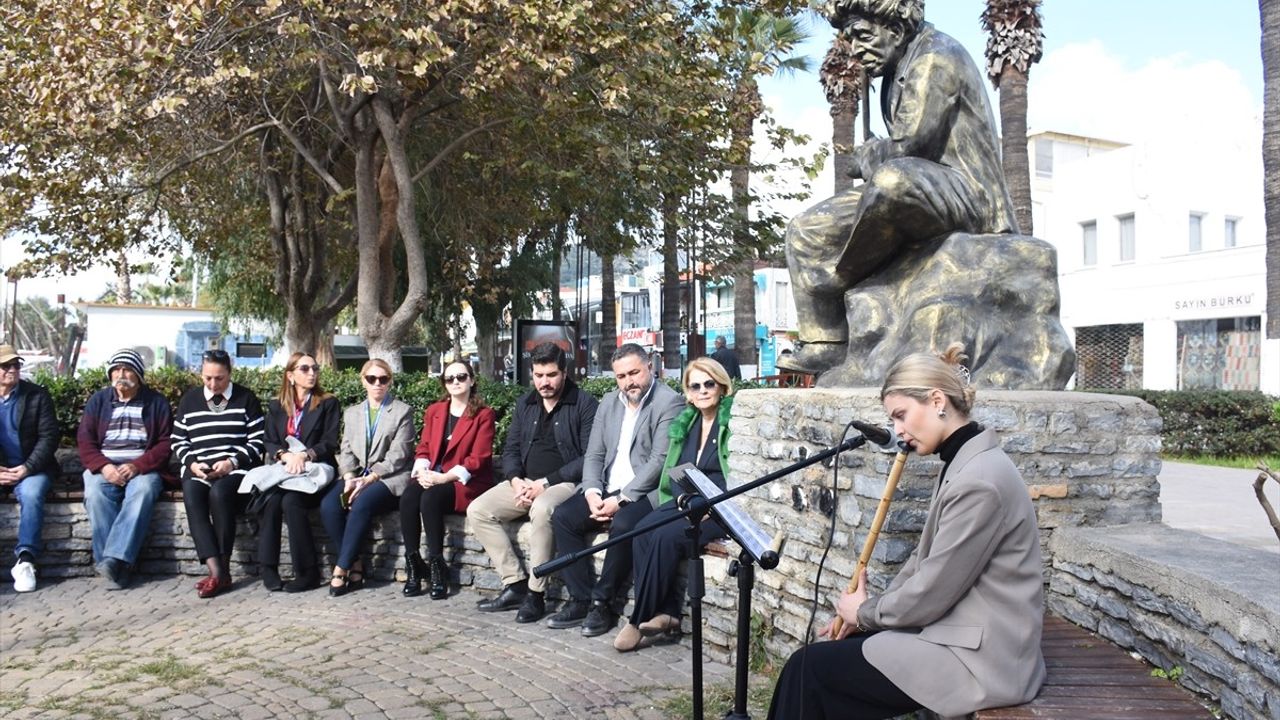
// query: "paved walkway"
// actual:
[[1218, 502], [74, 649]]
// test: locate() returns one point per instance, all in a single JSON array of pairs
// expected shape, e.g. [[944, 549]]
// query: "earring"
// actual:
[[942, 413]]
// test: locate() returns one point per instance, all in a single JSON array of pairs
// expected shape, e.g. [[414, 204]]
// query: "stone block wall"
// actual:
[[1204, 610], [1089, 460]]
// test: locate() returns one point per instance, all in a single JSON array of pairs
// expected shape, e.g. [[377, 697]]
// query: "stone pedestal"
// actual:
[[1088, 460]]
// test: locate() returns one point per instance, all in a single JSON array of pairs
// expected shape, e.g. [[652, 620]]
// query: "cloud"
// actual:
[[1084, 89]]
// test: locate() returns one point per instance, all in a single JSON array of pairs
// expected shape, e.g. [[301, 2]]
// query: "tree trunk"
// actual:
[[844, 117], [1269, 11], [670, 286], [608, 312], [124, 289], [744, 284], [561, 233], [1013, 142]]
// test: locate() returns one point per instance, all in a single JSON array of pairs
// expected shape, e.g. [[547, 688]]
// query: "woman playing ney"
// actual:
[[373, 462], [958, 629], [699, 435], [453, 465]]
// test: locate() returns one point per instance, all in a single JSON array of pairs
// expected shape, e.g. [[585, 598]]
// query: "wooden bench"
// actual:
[[1091, 679]]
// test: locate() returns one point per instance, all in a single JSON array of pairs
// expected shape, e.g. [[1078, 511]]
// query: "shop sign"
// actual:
[[1216, 302]]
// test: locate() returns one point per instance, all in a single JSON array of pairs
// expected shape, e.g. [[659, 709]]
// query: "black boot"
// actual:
[[414, 572], [439, 578]]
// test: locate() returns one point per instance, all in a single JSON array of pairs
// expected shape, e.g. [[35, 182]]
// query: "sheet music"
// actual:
[[744, 529]]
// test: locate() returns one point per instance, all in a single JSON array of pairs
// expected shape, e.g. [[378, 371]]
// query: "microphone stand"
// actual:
[[695, 512]]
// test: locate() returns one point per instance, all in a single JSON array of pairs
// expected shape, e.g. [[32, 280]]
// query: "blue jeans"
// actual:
[[31, 492], [348, 528], [120, 516]]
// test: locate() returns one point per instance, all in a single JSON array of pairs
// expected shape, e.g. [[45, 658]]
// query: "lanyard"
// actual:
[[371, 428], [295, 421]]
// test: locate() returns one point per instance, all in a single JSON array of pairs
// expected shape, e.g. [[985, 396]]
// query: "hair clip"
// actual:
[[963, 373]]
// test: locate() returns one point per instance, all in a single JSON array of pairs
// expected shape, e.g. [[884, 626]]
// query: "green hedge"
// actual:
[[419, 389], [1219, 423]]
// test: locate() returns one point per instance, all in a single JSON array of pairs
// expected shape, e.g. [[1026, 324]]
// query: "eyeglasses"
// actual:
[[460, 377], [11, 365], [378, 379], [307, 368], [218, 356], [698, 387]]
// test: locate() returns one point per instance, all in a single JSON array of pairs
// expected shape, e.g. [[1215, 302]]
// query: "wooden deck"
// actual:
[[1091, 679]]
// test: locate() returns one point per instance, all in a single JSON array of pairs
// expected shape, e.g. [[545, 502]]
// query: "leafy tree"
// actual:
[[1016, 42], [843, 82]]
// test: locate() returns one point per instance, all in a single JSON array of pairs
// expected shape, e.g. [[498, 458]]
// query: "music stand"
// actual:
[[757, 548]]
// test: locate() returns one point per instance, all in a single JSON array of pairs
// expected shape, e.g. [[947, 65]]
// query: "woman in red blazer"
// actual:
[[452, 466]]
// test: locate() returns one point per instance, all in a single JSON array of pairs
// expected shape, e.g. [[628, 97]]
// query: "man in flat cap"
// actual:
[[28, 439]]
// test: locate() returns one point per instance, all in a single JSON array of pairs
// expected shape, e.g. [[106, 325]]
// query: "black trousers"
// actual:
[[295, 509], [211, 514], [425, 507], [658, 554], [832, 680], [571, 523]]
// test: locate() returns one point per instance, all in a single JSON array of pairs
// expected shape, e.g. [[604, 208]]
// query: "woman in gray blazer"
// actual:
[[374, 462], [958, 629]]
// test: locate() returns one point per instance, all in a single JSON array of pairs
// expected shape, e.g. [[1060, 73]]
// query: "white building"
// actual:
[[165, 335], [1161, 259]]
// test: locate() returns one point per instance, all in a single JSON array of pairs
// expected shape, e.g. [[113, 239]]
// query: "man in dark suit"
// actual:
[[28, 439], [620, 470], [727, 358]]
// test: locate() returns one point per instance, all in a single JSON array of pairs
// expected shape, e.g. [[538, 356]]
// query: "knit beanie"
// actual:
[[127, 358]]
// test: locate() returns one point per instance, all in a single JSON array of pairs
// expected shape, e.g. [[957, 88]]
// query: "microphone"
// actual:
[[881, 437]]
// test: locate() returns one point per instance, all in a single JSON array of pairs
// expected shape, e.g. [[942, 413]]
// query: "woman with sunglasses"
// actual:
[[217, 438], [301, 439], [453, 465], [700, 436], [374, 461]]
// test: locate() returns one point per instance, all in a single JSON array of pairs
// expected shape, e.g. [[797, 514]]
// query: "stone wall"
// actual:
[[1088, 460], [1204, 609]]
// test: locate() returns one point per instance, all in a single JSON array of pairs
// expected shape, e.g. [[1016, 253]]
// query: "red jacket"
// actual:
[[470, 447]]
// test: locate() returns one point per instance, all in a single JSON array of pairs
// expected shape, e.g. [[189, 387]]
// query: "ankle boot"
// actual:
[[439, 578], [414, 571]]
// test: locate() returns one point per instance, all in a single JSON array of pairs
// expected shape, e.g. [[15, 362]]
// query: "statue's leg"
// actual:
[[907, 201], [814, 241]]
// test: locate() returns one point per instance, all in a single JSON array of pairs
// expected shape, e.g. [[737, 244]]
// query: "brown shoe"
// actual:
[[659, 624], [627, 639]]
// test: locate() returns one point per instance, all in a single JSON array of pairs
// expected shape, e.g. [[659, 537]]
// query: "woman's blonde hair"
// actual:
[[712, 368], [377, 363], [919, 374]]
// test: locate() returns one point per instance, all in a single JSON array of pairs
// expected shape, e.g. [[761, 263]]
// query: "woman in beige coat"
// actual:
[[959, 628]]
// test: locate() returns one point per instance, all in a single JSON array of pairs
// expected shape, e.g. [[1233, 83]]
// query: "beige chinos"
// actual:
[[497, 506]]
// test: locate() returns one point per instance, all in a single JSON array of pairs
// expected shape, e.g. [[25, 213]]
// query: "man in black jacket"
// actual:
[[28, 439], [542, 460]]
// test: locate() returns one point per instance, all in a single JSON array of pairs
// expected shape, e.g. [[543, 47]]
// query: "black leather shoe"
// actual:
[[532, 609], [511, 597], [271, 578], [415, 570], [439, 570], [600, 620], [571, 614]]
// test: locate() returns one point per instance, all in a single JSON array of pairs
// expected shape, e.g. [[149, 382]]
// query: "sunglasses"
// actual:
[[698, 387], [460, 377], [217, 356], [378, 379], [11, 365], [306, 368]]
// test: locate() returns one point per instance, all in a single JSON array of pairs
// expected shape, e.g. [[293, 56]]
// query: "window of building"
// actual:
[[635, 310], [1229, 232], [1109, 357], [1089, 235], [1128, 238], [251, 350], [1220, 354], [1195, 223], [1044, 158]]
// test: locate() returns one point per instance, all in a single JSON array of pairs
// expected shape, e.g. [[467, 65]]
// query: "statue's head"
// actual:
[[879, 30]]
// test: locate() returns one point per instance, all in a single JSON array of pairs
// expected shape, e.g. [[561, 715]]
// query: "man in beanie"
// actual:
[[28, 439], [124, 444]]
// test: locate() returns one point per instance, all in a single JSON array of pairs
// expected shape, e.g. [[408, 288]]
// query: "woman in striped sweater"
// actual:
[[217, 437]]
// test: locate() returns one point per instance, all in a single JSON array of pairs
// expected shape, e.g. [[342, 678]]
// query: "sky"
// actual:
[[1126, 70]]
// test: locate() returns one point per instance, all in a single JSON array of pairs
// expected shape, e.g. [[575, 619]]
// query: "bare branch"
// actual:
[[1262, 497], [177, 165], [440, 156]]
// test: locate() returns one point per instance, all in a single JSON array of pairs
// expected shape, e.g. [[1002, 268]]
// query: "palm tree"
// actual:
[[842, 81], [1016, 42], [1269, 11], [763, 44]]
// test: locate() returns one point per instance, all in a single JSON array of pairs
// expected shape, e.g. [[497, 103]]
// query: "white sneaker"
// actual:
[[24, 576]]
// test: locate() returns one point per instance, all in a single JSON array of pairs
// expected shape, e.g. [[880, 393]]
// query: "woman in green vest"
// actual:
[[700, 436]]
